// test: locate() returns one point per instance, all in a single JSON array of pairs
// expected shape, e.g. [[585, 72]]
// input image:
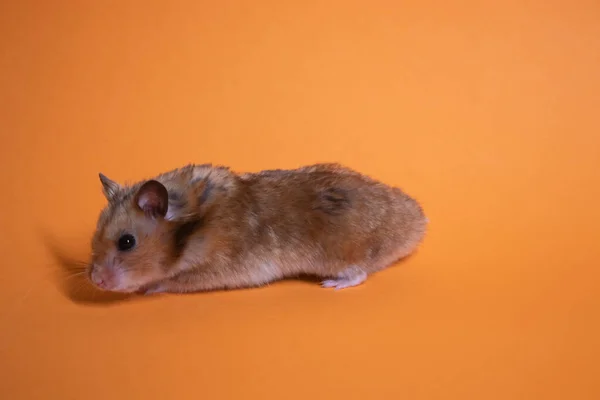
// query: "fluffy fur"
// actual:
[[202, 227]]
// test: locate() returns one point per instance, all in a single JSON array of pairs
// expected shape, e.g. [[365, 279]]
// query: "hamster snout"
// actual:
[[110, 278], [104, 278]]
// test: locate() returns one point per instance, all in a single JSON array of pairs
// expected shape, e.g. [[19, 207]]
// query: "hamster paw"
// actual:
[[352, 276], [154, 289]]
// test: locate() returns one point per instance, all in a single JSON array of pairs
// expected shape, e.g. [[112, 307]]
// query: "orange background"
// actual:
[[485, 112]]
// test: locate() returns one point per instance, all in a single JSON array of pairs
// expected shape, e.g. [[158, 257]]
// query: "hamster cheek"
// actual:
[[133, 279], [124, 280]]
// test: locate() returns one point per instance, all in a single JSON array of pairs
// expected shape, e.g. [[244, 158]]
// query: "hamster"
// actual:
[[205, 227]]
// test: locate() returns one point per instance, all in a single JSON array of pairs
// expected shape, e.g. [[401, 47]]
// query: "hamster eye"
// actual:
[[126, 242]]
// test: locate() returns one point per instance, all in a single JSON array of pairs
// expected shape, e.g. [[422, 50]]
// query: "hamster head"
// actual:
[[129, 247]]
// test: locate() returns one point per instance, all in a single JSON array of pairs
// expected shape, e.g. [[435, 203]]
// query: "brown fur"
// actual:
[[224, 230]]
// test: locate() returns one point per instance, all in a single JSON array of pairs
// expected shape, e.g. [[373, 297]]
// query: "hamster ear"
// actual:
[[153, 199], [109, 187]]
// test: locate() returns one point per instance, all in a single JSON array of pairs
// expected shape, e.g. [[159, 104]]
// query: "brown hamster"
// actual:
[[204, 227]]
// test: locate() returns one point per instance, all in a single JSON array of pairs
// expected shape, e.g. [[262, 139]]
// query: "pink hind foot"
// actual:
[[351, 276]]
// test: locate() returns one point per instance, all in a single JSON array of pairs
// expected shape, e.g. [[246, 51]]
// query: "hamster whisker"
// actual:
[[76, 274], [81, 264]]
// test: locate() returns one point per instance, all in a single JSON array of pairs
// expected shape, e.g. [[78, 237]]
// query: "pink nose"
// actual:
[[101, 277]]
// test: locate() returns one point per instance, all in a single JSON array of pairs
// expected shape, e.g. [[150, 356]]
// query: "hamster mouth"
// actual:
[[107, 287]]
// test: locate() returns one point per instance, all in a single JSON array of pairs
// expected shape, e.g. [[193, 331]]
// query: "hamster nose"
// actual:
[[101, 278]]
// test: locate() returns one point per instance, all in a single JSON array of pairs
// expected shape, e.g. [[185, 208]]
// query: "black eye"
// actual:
[[126, 242]]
